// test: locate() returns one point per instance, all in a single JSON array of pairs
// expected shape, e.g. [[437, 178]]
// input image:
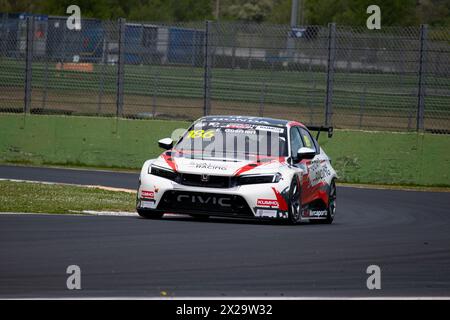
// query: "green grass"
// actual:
[[390, 158], [46, 198], [81, 141], [358, 156]]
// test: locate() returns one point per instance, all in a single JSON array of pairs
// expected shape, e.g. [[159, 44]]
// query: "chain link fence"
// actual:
[[396, 78]]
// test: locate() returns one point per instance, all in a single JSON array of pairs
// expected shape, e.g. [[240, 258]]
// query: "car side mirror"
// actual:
[[166, 143], [305, 153]]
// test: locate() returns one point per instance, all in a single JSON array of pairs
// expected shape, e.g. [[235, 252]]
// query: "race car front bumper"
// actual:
[[262, 201]]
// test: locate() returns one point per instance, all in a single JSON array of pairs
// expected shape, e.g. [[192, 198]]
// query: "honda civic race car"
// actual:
[[243, 167]]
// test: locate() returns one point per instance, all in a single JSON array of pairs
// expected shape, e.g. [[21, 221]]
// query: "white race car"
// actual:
[[243, 167]]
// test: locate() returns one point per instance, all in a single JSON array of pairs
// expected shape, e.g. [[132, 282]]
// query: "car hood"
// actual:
[[221, 167]]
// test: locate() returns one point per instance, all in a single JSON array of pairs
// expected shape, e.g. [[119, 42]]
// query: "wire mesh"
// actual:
[[74, 73], [376, 78], [396, 78], [268, 70], [12, 63], [163, 75], [437, 80]]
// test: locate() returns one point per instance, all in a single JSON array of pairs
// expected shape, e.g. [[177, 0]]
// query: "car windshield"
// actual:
[[232, 141]]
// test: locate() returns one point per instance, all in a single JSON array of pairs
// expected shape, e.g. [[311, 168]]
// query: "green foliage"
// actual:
[[393, 12], [145, 10], [321, 12], [251, 10], [281, 12]]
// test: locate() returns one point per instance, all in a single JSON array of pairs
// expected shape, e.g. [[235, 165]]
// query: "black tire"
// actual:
[[150, 214], [331, 209], [294, 203]]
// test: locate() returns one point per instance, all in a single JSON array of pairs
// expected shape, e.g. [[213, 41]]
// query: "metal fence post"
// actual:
[[120, 67], [4, 35], [28, 64], [330, 73], [207, 71], [421, 88]]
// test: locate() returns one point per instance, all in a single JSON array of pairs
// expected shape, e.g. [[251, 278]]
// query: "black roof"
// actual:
[[246, 119]]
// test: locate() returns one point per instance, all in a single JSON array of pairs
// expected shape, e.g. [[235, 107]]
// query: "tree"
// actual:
[[320, 12], [393, 12], [251, 10], [17, 6], [281, 12], [434, 12]]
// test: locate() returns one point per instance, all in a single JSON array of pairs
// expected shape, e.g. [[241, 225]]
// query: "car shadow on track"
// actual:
[[224, 220]]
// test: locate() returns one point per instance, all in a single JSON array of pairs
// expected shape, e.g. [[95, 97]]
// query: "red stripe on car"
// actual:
[[282, 205], [170, 160], [261, 161]]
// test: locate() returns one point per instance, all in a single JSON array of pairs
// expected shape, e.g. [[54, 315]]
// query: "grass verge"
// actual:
[[387, 158], [52, 198]]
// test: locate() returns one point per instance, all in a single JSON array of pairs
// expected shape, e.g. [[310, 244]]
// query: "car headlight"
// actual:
[[163, 173], [255, 179]]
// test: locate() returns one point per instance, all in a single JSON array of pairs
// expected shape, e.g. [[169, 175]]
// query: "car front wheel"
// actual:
[[295, 204]]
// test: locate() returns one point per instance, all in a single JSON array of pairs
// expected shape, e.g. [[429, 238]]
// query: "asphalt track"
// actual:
[[405, 233]]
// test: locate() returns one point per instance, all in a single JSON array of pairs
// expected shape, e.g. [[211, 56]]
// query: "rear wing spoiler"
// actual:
[[319, 129]]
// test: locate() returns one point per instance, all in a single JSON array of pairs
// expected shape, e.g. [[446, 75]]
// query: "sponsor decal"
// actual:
[[241, 119], [318, 171], [266, 213], [146, 194], [243, 131], [209, 166], [271, 129], [203, 199], [267, 203], [148, 204], [318, 213], [239, 126]]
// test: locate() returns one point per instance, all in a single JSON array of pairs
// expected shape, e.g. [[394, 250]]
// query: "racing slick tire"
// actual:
[[331, 209], [150, 214], [294, 203]]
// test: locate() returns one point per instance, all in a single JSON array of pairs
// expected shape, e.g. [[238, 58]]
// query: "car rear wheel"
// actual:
[[331, 209], [150, 214], [295, 205], [331, 203]]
